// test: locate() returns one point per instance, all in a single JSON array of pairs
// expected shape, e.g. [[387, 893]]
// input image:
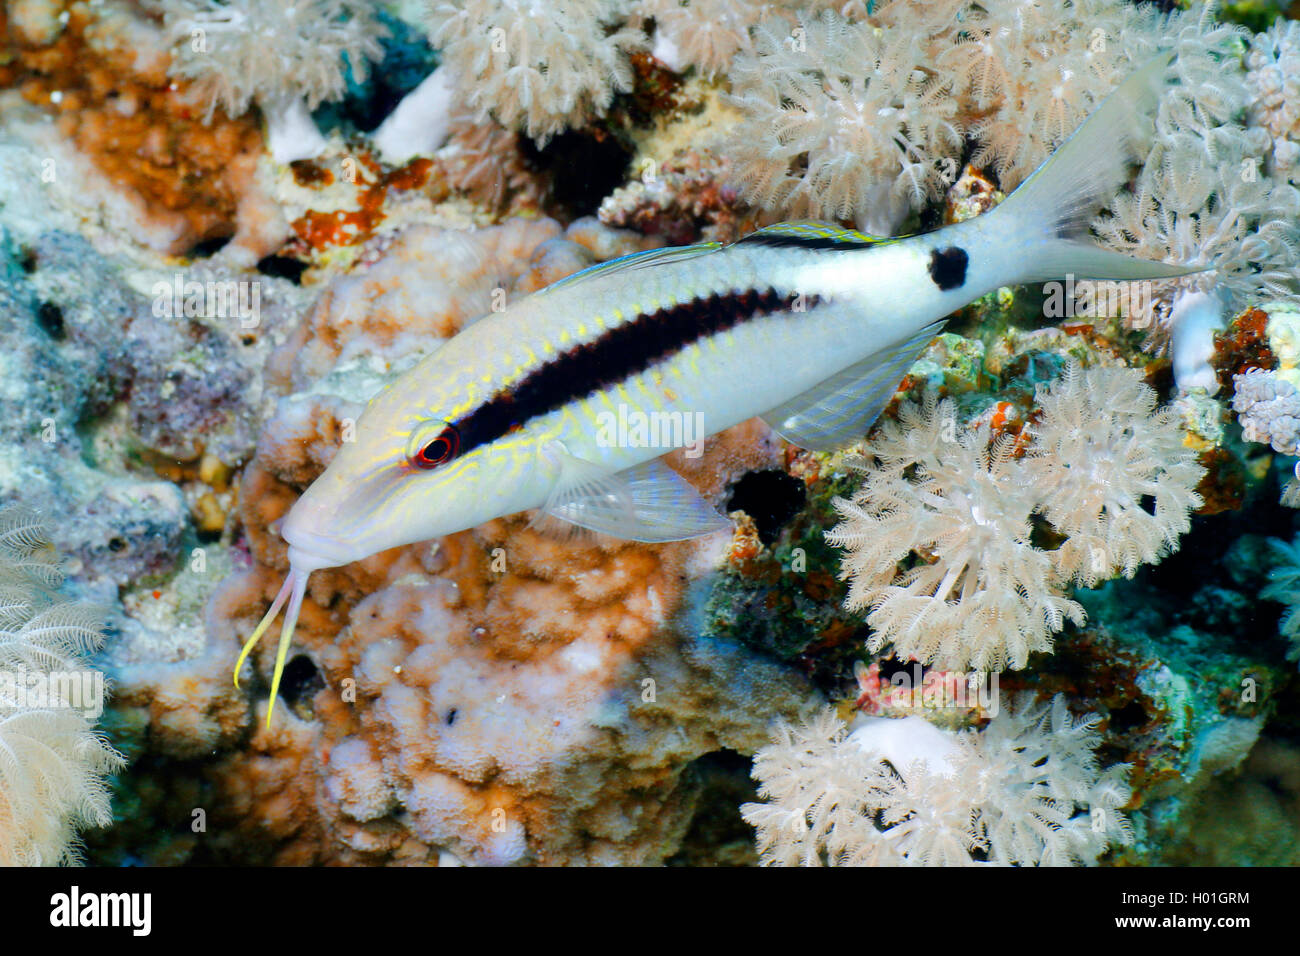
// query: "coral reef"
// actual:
[[508, 733], [221, 48], [193, 328], [125, 138], [429, 725], [425, 285]]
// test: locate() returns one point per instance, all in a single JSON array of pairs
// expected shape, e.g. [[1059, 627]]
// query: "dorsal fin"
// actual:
[[638, 260], [811, 234]]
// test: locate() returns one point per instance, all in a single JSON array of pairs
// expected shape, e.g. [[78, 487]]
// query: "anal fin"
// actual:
[[649, 502], [844, 406]]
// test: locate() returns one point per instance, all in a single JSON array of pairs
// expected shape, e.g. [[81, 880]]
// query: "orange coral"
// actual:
[[1242, 346], [428, 283], [106, 81], [320, 230]]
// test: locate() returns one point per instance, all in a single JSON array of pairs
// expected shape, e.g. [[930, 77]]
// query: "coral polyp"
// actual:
[[1025, 791], [955, 510], [956, 514]]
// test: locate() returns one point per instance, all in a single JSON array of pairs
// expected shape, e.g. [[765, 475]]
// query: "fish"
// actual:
[[808, 325]]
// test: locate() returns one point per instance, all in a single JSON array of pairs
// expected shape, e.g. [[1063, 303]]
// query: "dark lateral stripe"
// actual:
[[805, 242], [620, 353]]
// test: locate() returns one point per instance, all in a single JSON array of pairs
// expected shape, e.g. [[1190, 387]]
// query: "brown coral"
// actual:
[[105, 78]]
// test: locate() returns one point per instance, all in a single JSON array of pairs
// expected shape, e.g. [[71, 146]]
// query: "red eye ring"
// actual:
[[441, 450]]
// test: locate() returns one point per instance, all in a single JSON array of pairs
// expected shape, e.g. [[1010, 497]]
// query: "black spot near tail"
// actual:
[[948, 267]]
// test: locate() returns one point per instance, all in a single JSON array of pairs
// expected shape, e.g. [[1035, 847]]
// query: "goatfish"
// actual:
[[805, 324]]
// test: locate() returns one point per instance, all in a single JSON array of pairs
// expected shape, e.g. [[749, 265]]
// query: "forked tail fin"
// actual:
[[1051, 211]]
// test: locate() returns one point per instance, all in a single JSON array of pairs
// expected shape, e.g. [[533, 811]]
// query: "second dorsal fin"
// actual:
[[637, 260], [811, 234]]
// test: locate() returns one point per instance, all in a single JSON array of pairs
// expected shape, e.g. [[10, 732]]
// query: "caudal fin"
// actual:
[[1052, 210]]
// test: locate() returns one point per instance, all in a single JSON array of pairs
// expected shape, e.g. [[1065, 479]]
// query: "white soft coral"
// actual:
[[1100, 450], [1205, 200], [837, 122], [535, 66], [1036, 68], [705, 34], [1033, 770], [289, 57], [978, 593], [52, 762], [938, 538], [859, 114], [820, 793], [1205, 194], [1026, 791]]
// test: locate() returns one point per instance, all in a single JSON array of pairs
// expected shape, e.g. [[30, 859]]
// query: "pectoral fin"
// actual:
[[843, 407], [650, 502]]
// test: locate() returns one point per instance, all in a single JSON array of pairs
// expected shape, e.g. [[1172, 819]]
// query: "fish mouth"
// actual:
[[310, 552], [310, 549]]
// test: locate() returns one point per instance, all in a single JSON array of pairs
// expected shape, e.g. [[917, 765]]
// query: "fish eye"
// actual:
[[438, 450]]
